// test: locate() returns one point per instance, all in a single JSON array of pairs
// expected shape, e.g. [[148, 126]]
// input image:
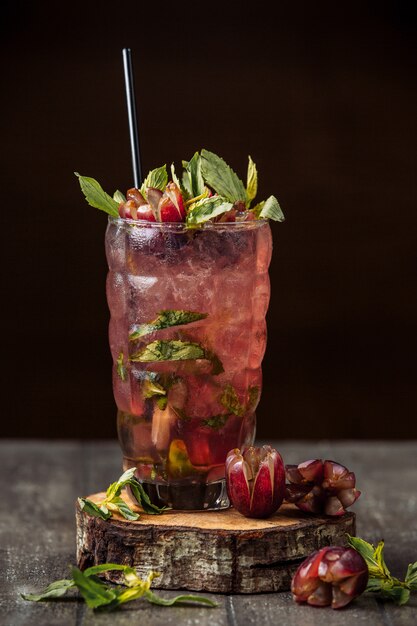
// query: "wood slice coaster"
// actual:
[[216, 551]]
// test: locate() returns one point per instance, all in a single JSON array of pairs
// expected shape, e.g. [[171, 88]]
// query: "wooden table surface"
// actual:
[[41, 480]]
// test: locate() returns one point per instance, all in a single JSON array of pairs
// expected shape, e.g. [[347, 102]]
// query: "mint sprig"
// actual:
[[380, 579], [100, 595], [114, 503]]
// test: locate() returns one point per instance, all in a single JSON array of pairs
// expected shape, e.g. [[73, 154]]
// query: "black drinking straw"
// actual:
[[131, 112]]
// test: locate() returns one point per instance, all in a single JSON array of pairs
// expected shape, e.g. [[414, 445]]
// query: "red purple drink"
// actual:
[[188, 290]]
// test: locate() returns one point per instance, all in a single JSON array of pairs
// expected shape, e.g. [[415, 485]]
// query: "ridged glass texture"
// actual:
[[178, 419]]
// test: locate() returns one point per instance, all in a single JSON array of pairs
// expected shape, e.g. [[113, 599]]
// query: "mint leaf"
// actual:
[[220, 177], [118, 504], [379, 558], [272, 210], [184, 599], [175, 350], [367, 551], [94, 592], [216, 421], [119, 197], [162, 402], [54, 590], [252, 182], [175, 178], [89, 507], [165, 319], [192, 177], [151, 388], [106, 567], [115, 488], [157, 179], [205, 209], [411, 576], [230, 400], [254, 395], [400, 595], [143, 499], [96, 196], [120, 367]]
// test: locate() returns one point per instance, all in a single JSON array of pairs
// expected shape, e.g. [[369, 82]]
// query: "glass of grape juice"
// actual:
[[187, 336]]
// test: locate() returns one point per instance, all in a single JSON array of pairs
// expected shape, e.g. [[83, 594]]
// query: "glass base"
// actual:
[[190, 496]]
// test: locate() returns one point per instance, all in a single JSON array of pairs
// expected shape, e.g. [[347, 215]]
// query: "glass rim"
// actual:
[[182, 226]]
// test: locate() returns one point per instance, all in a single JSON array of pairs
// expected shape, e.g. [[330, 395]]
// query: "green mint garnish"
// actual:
[[119, 197], [100, 595], [151, 388], [205, 209], [176, 180], [272, 210], [230, 400], [216, 421], [96, 196], [54, 590], [120, 367], [166, 319], [252, 182], [113, 503], [157, 179], [192, 178], [176, 350], [380, 579], [253, 399], [220, 177]]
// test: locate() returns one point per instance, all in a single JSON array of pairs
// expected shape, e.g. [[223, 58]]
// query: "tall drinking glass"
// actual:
[[187, 335]]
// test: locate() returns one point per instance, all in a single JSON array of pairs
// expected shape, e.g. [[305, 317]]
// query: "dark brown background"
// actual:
[[322, 95]]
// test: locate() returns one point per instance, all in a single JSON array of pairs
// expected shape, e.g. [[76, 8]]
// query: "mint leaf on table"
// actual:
[[143, 499], [91, 508], [271, 210], [115, 488], [205, 209], [367, 551], [112, 503], [54, 590], [230, 400], [380, 579], [252, 182], [100, 595], [166, 319], [184, 599], [157, 179], [220, 177], [411, 576], [192, 178], [96, 196], [94, 592]]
